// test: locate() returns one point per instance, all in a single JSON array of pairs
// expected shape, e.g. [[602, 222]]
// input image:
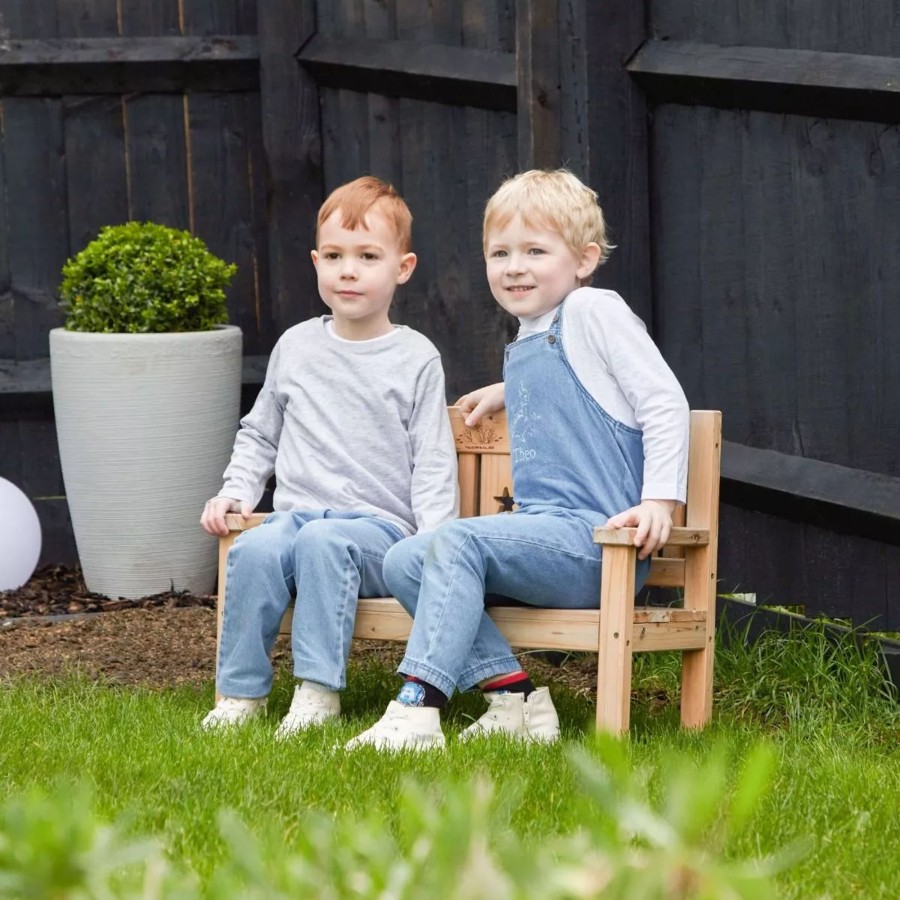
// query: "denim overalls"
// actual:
[[573, 466]]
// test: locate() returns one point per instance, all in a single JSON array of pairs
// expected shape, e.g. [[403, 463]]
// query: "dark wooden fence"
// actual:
[[747, 156]]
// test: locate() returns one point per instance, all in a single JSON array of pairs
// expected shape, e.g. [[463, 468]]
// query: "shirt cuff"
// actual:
[[661, 491]]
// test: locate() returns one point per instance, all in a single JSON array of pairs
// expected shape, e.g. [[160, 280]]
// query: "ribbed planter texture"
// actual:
[[145, 423]]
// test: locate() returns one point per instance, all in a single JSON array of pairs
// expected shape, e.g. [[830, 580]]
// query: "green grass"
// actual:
[[822, 704]]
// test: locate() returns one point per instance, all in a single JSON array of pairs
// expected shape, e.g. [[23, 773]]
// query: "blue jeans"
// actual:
[[543, 557], [329, 560]]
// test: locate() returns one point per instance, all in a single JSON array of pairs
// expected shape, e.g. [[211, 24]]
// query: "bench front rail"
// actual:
[[617, 629]]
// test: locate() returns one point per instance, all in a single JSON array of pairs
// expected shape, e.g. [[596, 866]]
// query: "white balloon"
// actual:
[[20, 537]]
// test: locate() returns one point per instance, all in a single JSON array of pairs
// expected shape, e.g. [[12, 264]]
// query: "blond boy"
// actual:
[[598, 435], [352, 421]]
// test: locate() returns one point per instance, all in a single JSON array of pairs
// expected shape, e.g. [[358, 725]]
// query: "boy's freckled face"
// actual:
[[530, 270], [358, 272]]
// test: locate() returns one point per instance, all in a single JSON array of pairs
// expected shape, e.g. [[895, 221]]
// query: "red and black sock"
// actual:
[[416, 692], [517, 683]]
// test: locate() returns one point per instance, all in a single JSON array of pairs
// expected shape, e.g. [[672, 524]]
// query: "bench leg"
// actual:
[[224, 546], [616, 630], [697, 665], [696, 686]]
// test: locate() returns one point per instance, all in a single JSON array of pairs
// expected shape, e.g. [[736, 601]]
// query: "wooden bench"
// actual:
[[618, 628]]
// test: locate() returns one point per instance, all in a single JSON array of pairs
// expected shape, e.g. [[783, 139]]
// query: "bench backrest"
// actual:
[[485, 479]]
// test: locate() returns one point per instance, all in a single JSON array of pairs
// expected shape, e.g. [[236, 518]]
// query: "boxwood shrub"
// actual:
[[145, 278]]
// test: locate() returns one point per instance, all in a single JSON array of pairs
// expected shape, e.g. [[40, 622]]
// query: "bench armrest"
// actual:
[[236, 522], [678, 537]]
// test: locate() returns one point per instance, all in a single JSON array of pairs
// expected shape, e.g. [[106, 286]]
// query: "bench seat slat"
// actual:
[[655, 628]]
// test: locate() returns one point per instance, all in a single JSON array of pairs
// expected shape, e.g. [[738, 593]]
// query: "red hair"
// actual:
[[356, 198]]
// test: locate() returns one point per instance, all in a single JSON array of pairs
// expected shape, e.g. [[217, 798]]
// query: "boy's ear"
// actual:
[[407, 265], [314, 254], [590, 258]]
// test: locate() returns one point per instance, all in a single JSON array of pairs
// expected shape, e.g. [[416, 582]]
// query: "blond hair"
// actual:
[[358, 197], [557, 200]]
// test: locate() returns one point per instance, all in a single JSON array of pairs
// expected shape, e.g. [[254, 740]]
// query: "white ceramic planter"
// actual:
[[146, 423]]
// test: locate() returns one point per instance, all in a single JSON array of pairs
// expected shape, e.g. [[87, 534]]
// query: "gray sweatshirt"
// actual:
[[353, 426]]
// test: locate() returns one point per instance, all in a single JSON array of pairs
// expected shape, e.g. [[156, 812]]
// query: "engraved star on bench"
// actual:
[[506, 501]]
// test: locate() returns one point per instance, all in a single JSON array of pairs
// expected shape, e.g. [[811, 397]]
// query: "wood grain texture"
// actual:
[[291, 135], [87, 18], [617, 149], [139, 18], [760, 284], [700, 572], [678, 537], [117, 65], [384, 619], [7, 299], [425, 71], [616, 636], [222, 192], [96, 176], [37, 222], [206, 17], [861, 26], [28, 19], [537, 67], [804, 82], [158, 186]]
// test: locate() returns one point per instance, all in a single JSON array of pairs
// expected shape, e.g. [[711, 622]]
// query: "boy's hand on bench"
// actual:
[[653, 520], [483, 402], [213, 518]]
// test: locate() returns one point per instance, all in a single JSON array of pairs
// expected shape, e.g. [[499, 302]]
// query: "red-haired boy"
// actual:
[[352, 421]]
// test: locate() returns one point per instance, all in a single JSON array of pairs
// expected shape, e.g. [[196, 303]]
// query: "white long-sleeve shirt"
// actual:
[[354, 426], [618, 364]]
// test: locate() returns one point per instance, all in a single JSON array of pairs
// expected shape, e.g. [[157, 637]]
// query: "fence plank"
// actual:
[[290, 122], [761, 287], [38, 225], [574, 116], [618, 149], [7, 301], [804, 82], [492, 141], [96, 182], [675, 217], [87, 18], [262, 338], [223, 211], [219, 16], [822, 571], [140, 18], [537, 65], [383, 113], [111, 65], [406, 68], [863, 26], [27, 19], [791, 487], [157, 160], [94, 130]]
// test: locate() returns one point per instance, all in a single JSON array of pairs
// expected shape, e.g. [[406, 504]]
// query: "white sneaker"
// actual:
[[403, 728], [533, 719], [541, 719], [313, 704], [232, 711]]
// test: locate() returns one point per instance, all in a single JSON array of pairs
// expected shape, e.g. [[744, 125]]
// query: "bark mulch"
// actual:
[[57, 590], [54, 625]]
